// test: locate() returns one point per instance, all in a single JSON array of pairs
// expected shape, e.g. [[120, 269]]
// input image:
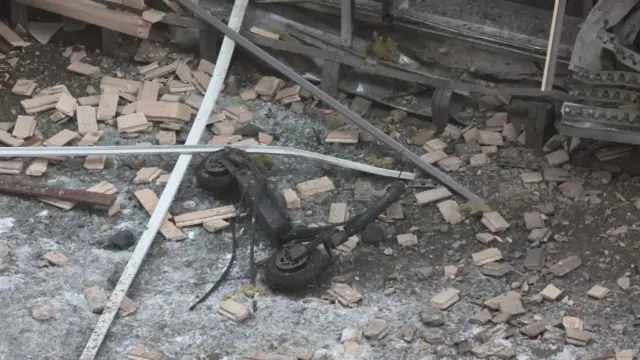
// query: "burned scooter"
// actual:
[[297, 260]]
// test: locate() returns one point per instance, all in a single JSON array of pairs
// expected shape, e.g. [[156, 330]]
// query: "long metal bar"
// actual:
[[158, 216], [55, 151], [343, 110], [553, 45], [39, 190]]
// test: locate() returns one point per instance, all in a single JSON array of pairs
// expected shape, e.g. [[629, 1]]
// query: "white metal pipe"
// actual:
[[197, 149], [553, 46], [170, 190]]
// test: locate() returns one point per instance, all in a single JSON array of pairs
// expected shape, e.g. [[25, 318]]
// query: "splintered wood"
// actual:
[[149, 200], [103, 187], [200, 217], [61, 138], [147, 175]]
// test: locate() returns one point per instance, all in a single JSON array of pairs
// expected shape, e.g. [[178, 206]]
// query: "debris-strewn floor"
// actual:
[[592, 215]]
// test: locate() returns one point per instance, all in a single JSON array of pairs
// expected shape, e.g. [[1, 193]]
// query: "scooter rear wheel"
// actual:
[[282, 274]]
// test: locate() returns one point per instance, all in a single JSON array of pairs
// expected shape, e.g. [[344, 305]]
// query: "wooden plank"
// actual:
[[87, 11], [149, 200]]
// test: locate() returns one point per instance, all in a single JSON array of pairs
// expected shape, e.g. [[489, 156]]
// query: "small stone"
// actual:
[[377, 329], [512, 306], [43, 312], [407, 240], [424, 273], [539, 234], [432, 316], [500, 318], [450, 271], [482, 317], [533, 220], [96, 299], [531, 178], [478, 160], [485, 238], [352, 348], [446, 299], [433, 336], [55, 258], [598, 292], [486, 256], [624, 283], [496, 269], [624, 355], [551, 292], [351, 334], [121, 240], [408, 334], [489, 138], [534, 260], [389, 291], [558, 157], [571, 189], [546, 208], [388, 251]]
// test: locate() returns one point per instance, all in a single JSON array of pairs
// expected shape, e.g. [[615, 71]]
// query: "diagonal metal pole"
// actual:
[[160, 212], [343, 110], [555, 34]]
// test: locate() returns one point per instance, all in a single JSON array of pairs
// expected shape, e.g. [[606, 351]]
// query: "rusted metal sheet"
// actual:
[[17, 187]]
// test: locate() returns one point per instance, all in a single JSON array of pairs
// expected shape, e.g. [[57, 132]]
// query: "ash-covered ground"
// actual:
[[396, 282]]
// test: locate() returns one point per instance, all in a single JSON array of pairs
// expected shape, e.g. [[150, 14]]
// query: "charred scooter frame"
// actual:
[[297, 260]]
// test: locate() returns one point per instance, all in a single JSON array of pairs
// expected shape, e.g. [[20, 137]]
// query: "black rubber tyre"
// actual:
[[298, 280], [213, 176]]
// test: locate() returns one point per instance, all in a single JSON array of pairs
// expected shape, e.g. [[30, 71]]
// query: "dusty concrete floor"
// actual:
[[175, 274]]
